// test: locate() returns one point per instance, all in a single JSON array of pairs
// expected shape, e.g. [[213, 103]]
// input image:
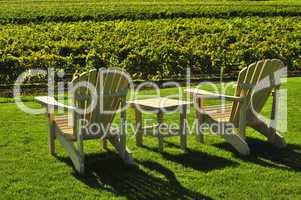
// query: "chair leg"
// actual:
[[125, 154], [199, 117], [272, 135], [128, 158], [120, 140], [160, 136], [242, 131], [267, 130], [182, 130], [75, 154], [237, 142], [51, 134], [243, 120], [139, 132], [80, 140]]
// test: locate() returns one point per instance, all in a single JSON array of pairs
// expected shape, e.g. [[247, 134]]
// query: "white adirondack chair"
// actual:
[[255, 84], [111, 90]]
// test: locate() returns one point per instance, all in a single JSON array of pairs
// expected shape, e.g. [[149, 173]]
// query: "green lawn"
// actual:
[[212, 170]]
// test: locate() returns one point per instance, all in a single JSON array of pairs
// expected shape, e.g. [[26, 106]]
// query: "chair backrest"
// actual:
[[111, 88], [255, 83]]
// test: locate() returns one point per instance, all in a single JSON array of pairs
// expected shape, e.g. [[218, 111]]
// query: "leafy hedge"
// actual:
[[150, 49], [26, 11]]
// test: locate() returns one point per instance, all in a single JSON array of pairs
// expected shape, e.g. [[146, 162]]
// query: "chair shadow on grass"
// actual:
[[106, 171], [197, 160], [266, 154]]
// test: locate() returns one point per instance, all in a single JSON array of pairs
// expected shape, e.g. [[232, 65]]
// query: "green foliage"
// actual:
[[25, 11], [150, 49], [76, 36]]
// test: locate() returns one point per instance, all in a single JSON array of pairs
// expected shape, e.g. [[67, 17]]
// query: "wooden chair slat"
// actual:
[[260, 97], [241, 78]]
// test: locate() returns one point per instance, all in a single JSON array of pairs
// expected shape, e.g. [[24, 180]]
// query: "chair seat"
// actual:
[[62, 126], [218, 112]]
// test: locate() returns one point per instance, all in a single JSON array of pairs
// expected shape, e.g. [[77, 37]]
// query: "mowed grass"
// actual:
[[212, 170]]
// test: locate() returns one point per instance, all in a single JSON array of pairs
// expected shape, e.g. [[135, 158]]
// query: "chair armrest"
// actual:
[[50, 101], [209, 95]]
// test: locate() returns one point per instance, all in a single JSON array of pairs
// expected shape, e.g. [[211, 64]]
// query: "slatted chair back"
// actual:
[[111, 89], [82, 97], [255, 83]]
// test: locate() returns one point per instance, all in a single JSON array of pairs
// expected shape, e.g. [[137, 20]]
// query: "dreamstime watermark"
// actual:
[[98, 92]]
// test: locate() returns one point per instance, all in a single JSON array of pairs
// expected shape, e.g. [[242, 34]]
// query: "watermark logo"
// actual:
[[95, 96]]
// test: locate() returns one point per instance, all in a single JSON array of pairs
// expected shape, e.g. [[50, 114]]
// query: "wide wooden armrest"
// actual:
[[50, 101], [210, 95]]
